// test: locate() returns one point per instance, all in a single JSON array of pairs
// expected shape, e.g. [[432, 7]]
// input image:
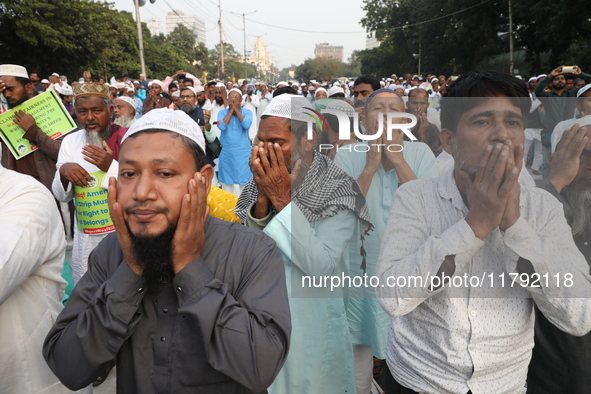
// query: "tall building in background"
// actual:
[[371, 42], [326, 50], [196, 24]]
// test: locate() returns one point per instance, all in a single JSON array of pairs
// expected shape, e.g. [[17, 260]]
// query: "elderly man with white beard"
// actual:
[[124, 111], [83, 159], [560, 362]]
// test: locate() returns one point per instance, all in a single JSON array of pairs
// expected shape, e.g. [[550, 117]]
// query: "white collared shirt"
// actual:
[[477, 337]]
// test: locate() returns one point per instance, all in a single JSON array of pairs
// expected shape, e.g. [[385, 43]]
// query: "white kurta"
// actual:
[[71, 152], [263, 102], [32, 255], [252, 106]]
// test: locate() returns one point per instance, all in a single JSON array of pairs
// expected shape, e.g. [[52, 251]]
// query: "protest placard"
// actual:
[[92, 207], [50, 115]]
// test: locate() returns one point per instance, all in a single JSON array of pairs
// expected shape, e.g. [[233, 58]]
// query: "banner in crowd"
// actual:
[[92, 207], [50, 115]]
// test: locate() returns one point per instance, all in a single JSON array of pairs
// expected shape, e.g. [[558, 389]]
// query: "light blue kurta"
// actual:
[[320, 358], [368, 322], [233, 166]]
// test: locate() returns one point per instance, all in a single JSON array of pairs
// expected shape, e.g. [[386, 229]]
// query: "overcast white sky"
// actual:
[[287, 47]]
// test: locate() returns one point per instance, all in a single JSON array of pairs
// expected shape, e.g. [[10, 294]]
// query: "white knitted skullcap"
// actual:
[[157, 82], [177, 93], [583, 90], [128, 100], [66, 90], [235, 90], [220, 85], [343, 106], [288, 106], [170, 120], [335, 90], [191, 88], [13, 70]]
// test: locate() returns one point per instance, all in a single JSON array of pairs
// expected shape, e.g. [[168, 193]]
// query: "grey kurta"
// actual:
[[222, 327]]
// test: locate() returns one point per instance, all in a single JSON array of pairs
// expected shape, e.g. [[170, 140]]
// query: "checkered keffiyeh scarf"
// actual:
[[325, 190]]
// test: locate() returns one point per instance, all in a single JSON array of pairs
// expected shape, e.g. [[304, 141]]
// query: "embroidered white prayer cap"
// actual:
[[288, 106], [282, 83], [220, 85], [127, 99], [157, 82], [343, 106], [235, 90], [177, 93], [170, 120], [45, 80], [199, 88], [13, 70]]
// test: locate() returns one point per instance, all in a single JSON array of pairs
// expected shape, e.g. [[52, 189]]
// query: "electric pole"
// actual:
[[244, 29], [221, 43], [139, 35], [511, 63]]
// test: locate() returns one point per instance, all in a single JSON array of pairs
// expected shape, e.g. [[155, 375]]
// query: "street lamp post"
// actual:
[[139, 34], [244, 29]]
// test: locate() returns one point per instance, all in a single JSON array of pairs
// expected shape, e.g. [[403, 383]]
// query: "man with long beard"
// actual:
[[83, 159], [219, 102], [124, 109], [181, 301], [17, 88], [561, 362]]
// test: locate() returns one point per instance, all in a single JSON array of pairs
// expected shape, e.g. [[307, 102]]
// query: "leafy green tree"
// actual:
[[67, 36], [233, 63], [320, 69]]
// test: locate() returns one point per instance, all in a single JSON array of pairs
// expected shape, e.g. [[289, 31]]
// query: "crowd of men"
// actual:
[[254, 245]]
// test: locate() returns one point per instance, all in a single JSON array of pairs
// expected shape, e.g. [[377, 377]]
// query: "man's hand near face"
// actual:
[[488, 194], [121, 229], [189, 236], [422, 124], [102, 158], [74, 173], [274, 179], [515, 161], [564, 164]]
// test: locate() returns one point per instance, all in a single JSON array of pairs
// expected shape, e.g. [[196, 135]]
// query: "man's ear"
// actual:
[[447, 140], [207, 173]]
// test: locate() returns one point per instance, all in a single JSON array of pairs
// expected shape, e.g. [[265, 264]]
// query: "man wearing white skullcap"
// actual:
[[154, 98], [200, 301], [17, 88], [312, 209], [124, 111], [219, 101], [234, 124]]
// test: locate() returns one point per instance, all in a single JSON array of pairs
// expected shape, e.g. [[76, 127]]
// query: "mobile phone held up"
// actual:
[[569, 69]]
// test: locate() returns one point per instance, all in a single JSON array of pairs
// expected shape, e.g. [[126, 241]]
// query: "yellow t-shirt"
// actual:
[[221, 204]]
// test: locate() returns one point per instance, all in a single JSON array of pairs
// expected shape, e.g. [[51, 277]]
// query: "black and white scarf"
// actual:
[[325, 190]]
